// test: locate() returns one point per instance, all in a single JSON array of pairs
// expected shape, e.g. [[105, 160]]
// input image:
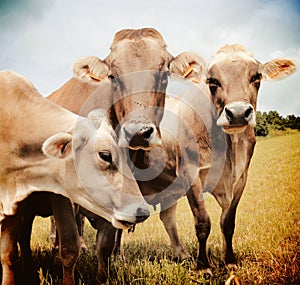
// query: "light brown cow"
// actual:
[[234, 78], [130, 83], [47, 148]]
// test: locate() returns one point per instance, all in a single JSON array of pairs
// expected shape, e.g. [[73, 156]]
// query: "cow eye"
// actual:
[[257, 77], [106, 156], [213, 85]]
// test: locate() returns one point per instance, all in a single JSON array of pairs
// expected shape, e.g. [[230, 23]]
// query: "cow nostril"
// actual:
[[248, 112], [147, 134], [142, 214], [229, 114]]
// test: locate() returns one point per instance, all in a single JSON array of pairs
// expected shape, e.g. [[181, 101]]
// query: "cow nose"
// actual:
[[142, 215], [239, 115], [229, 114], [138, 135], [248, 113]]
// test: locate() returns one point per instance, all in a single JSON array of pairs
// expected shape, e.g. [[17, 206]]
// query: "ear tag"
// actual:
[[188, 71]]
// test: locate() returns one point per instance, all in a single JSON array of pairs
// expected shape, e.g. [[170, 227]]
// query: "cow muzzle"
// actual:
[[125, 218], [236, 116], [139, 136]]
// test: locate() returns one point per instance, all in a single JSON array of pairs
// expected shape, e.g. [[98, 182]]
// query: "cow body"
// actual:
[[55, 159]]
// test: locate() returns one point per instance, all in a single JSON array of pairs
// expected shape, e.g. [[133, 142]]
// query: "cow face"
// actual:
[[140, 72], [138, 68], [234, 78], [98, 171]]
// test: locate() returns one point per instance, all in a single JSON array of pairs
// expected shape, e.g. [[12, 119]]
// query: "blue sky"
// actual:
[[41, 39]]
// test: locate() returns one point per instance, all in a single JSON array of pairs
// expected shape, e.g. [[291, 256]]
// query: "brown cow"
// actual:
[[57, 159], [234, 78], [130, 83]]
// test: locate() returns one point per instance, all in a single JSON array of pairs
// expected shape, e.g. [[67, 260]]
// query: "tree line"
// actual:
[[267, 121]]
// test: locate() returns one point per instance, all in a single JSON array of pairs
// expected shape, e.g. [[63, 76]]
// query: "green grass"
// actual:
[[266, 239]]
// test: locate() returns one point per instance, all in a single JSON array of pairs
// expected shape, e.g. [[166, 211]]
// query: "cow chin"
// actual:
[[230, 130], [123, 225]]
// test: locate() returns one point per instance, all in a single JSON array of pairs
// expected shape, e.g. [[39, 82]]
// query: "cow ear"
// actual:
[[189, 65], [278, 68], [58, 146], [96, 117], [91, 70]]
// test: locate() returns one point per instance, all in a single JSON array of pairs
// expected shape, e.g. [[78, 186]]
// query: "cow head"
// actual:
[[234, 77], [138, 68], [101, 174]]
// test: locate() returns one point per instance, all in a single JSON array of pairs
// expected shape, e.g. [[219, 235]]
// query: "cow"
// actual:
[[130, 83], [47, 150], [233, 79]]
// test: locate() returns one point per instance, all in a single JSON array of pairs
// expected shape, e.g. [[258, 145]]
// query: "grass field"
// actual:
[[266, 239]]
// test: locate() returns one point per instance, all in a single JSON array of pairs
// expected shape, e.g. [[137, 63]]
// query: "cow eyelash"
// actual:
[[106, 156], [213, 81], [256, 77], [213, 84]]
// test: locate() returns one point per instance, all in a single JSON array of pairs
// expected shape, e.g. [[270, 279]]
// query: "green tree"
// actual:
[[275, 121], [261, 128], [292, 122]]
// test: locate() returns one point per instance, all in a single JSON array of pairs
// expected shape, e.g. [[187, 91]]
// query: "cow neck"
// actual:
[[235, 139], [36, 119], [240, 146]]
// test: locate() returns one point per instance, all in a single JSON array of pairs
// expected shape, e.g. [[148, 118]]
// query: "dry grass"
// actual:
[[266, 239]]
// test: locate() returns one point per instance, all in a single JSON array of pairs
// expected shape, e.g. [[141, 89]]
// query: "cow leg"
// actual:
[[104, 246], [202, 224], [117, 245], [26, 255], [80, 225], [227, 223], [69, 244], [168, 217], [8, 247], [52, 234]]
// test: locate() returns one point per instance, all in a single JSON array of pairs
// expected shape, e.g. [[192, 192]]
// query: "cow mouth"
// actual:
[[140, 147], [234, 129], [121, 224]]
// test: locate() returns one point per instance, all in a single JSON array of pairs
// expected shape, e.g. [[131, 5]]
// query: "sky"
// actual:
[[41, 39]]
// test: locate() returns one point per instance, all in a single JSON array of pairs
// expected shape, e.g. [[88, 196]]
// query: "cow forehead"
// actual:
[[147, 51], [106, 133], [224, 58]]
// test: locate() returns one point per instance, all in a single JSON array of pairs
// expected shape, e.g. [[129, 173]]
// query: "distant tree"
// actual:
[[275, 121], [261, 128], [292, 122], [273, 117], [267, 121]]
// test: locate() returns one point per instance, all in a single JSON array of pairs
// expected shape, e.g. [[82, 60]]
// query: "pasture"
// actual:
[[266, 239]]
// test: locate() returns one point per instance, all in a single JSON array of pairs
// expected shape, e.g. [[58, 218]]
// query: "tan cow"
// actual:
[[47, 148], [130, 83], [234, 78]]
